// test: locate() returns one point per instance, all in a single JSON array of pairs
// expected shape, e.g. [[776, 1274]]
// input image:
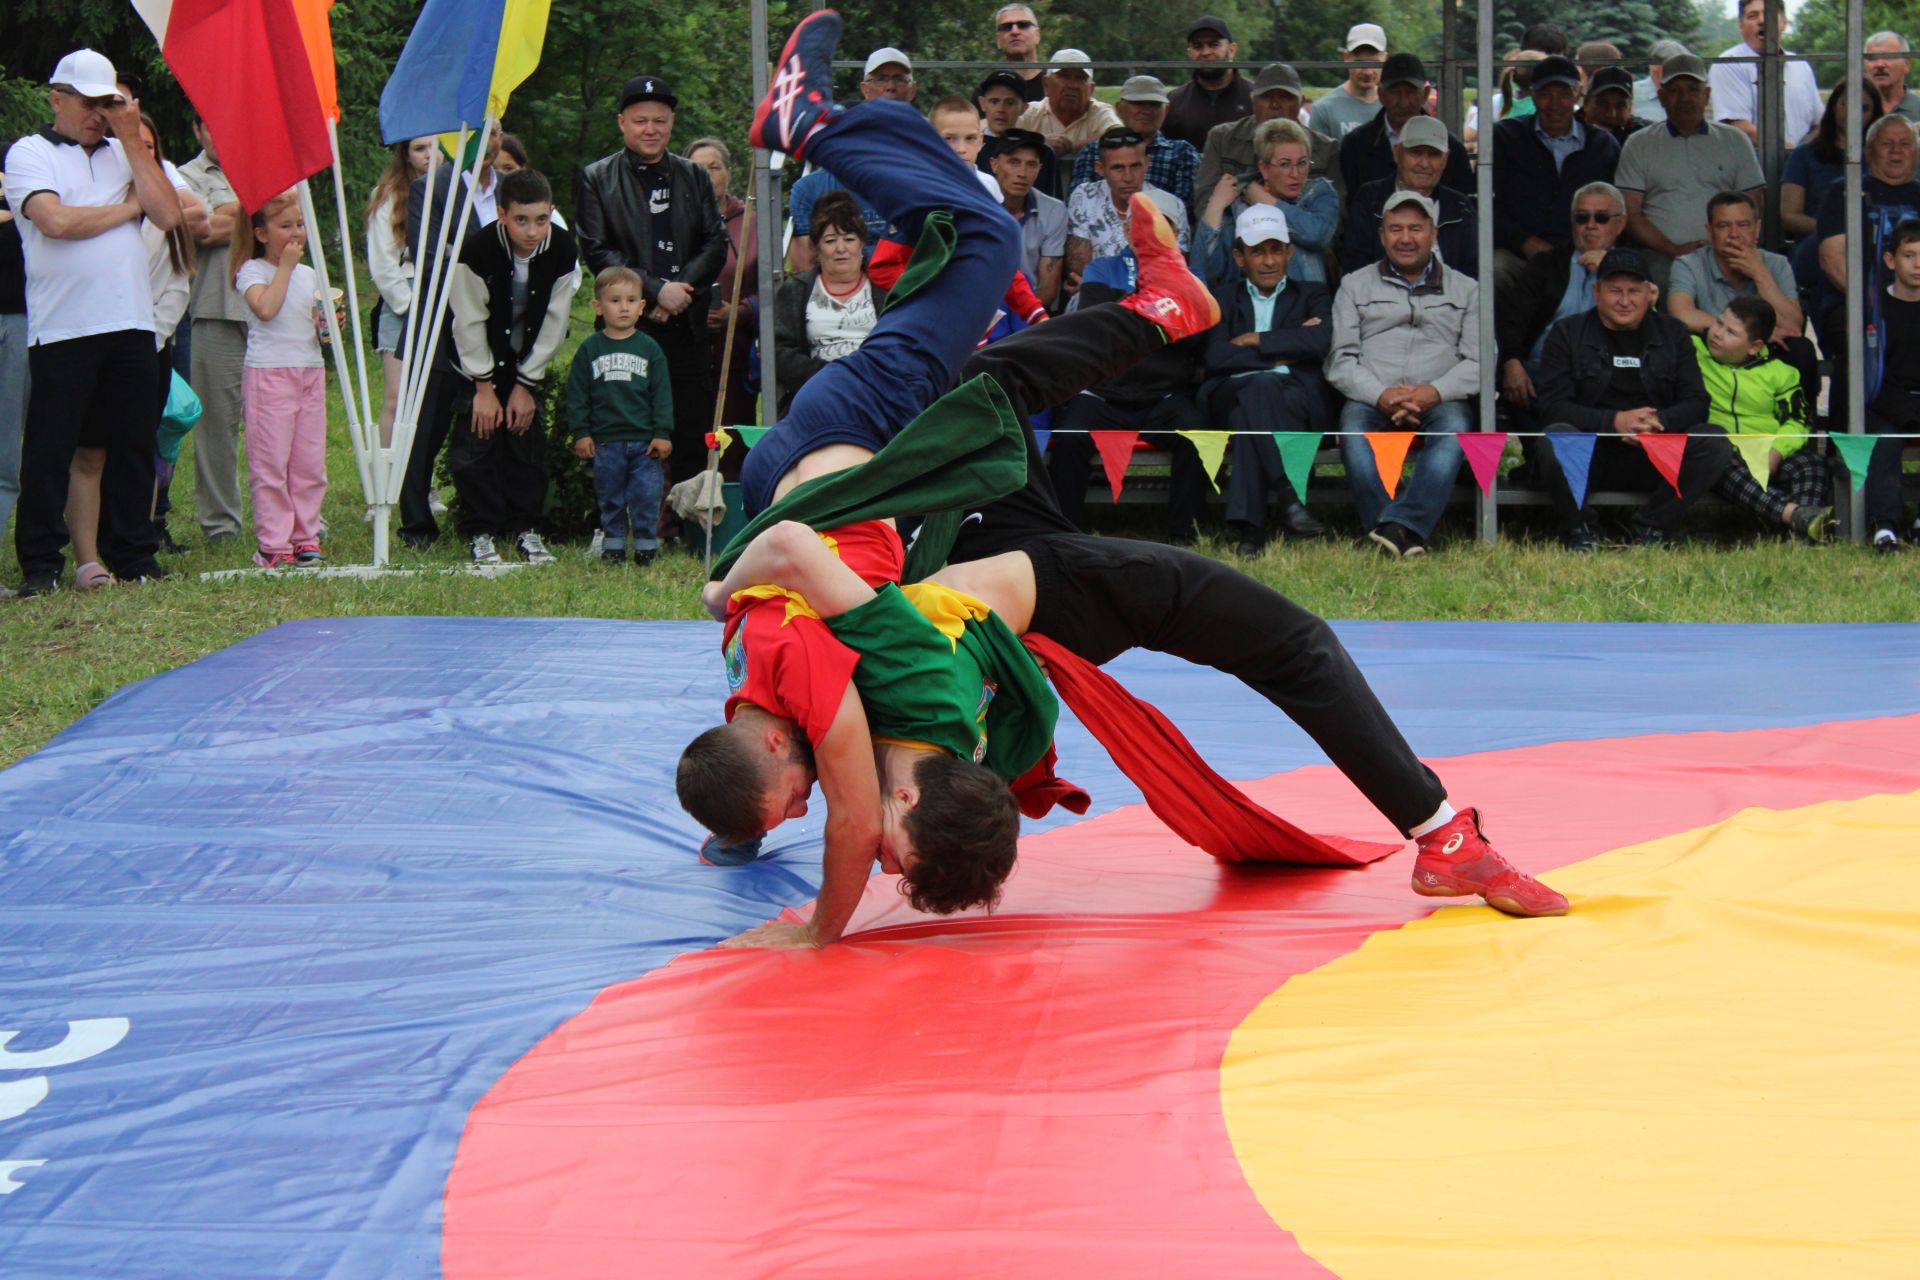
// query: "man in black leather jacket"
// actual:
[[646, 208]]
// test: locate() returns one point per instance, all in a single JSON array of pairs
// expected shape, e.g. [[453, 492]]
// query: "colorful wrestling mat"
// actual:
[[378, 948]]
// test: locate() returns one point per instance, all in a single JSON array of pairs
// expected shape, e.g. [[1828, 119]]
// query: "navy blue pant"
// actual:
[[889, 153], [627, 484]]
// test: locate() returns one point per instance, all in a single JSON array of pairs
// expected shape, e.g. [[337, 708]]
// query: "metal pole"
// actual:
[[1453, 111], [766, 192], [1487, 504], [1856, 300], [1769, 121]]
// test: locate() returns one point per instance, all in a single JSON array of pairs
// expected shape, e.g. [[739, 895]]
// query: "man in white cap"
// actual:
[[1263, 373], [1216, 94], [1406, 355], [889, 74], [1356, 101], [1171, 163], [80, 196], [1071, 116]]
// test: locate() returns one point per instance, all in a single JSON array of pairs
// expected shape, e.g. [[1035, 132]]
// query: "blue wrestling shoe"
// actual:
[[715, 854], [800, 98]]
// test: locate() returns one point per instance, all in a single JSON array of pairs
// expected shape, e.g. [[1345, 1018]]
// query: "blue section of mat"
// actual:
[[341, 875]]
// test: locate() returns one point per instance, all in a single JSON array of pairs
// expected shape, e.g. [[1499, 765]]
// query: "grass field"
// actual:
[[68, 651]]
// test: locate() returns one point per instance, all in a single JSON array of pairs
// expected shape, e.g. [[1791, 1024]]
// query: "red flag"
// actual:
[[244, 65], [1664, 451], [1483, 450], [1389, 455], [1116, 451]]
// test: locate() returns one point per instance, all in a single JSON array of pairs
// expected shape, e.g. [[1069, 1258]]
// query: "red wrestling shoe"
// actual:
[[800, 98], [1169, 295], [1456, 860]]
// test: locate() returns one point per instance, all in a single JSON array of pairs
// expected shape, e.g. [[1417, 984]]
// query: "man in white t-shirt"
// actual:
[[81, 195], [1355, 100], [1736, 85]]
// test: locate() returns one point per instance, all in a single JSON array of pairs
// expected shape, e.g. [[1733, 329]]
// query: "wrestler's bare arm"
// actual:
[[1004, 583]]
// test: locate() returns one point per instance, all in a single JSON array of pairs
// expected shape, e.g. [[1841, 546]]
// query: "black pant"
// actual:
[[449, 395], [690, 375], [1099, 597], [1881, 490], [1618, 464], [1263, 402], [501, 480], [94, 392], [1070, 452]]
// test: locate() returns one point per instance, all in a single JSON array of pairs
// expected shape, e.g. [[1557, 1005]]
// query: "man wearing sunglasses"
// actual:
[[1016, 33], [1556, 284]]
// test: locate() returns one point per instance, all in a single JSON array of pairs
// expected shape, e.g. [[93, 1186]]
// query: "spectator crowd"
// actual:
[[1636, 306]]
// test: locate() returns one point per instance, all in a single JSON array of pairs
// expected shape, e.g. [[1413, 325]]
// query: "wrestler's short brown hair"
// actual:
[[721, 780], [965, 831]]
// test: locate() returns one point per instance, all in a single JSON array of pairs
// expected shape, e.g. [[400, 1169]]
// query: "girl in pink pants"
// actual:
[[283, 385]]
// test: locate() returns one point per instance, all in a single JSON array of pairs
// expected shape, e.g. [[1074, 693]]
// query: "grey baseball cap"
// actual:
[[1399, 198], [1277, 75], [1681, 66], [1424, 131], [1143, 89]]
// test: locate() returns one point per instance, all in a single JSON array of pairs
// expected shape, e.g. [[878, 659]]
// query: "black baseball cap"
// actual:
[[1622, 262], [1017, 140], [646, 89], [1554, 69], [999, 80], [1610, 78], [1402, 68], [1209, 22]]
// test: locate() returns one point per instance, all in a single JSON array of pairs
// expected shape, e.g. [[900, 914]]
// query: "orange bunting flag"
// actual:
[[316, 32], [1116, 451], [1483, 450], [1390, 455], [1664, 452]]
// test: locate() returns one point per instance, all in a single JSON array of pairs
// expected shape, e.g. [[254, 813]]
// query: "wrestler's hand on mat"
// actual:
[[775, 935], [714, 597]]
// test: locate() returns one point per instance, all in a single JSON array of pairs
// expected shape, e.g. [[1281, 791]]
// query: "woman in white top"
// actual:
[[390, 264], [826, 311]]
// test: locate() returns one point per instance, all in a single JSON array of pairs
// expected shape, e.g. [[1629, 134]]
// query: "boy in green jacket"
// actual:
[[620, 410]]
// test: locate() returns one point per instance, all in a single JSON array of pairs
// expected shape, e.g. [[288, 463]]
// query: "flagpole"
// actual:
[[332, 324], [441, 279], [382, 499], [367, 416]]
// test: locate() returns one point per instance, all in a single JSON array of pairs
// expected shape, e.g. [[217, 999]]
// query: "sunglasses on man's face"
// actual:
[[1018, 25], [1583, 217]]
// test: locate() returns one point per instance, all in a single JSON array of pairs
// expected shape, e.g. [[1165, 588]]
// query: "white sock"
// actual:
[[1441, 817]]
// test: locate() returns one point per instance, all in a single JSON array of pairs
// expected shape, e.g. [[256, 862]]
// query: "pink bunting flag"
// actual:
[[1664, 451], [1483, 450], [1116, 451], [1390, 455]]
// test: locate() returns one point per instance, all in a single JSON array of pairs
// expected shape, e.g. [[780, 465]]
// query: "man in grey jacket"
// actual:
[[1406, 355]]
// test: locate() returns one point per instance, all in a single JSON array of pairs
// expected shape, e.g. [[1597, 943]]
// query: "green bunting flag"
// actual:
[[1855, 450], [1297, 449], [750, 436]]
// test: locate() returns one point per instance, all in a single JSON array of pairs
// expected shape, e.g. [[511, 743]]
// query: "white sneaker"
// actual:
[[599, 541], [434, 504], [534, 549], [483, 552]]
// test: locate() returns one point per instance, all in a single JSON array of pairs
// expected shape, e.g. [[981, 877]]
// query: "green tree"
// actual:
[[1821, 27]]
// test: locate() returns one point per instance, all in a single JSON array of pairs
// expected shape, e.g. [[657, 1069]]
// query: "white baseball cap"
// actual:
[[1404, 196], [1365, 35], [1064, 58], [1260, 223], [881, 57], [88, 74]]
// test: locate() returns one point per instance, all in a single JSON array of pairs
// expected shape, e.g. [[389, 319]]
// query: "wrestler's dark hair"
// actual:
[[965, 832], [1756, 315], [722, 777], [836, 211], [523, 186]]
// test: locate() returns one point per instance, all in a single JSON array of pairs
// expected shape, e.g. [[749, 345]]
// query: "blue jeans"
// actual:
[[13, 408], [628, 485], [1422, 497], [913, 356]]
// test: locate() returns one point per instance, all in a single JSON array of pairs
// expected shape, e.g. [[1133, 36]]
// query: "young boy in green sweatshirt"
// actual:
[[620, 410]]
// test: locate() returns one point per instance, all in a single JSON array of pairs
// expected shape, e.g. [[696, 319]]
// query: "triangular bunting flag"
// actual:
[[750, 436], [722, 441], [1573, 450], [1664, 451], [1297, 450], [1212, 448], [1389, 455], [1483, 450], [1116, 451], [1855, 450], [1754, 446], [1040, 439]]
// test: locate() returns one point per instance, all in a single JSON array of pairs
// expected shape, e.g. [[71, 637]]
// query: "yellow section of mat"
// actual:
[[1711, 1068]]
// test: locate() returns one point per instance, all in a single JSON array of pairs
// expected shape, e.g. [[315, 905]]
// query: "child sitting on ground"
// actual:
[[620, 410], [1750, 390], [283, 384], [511, 291]]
